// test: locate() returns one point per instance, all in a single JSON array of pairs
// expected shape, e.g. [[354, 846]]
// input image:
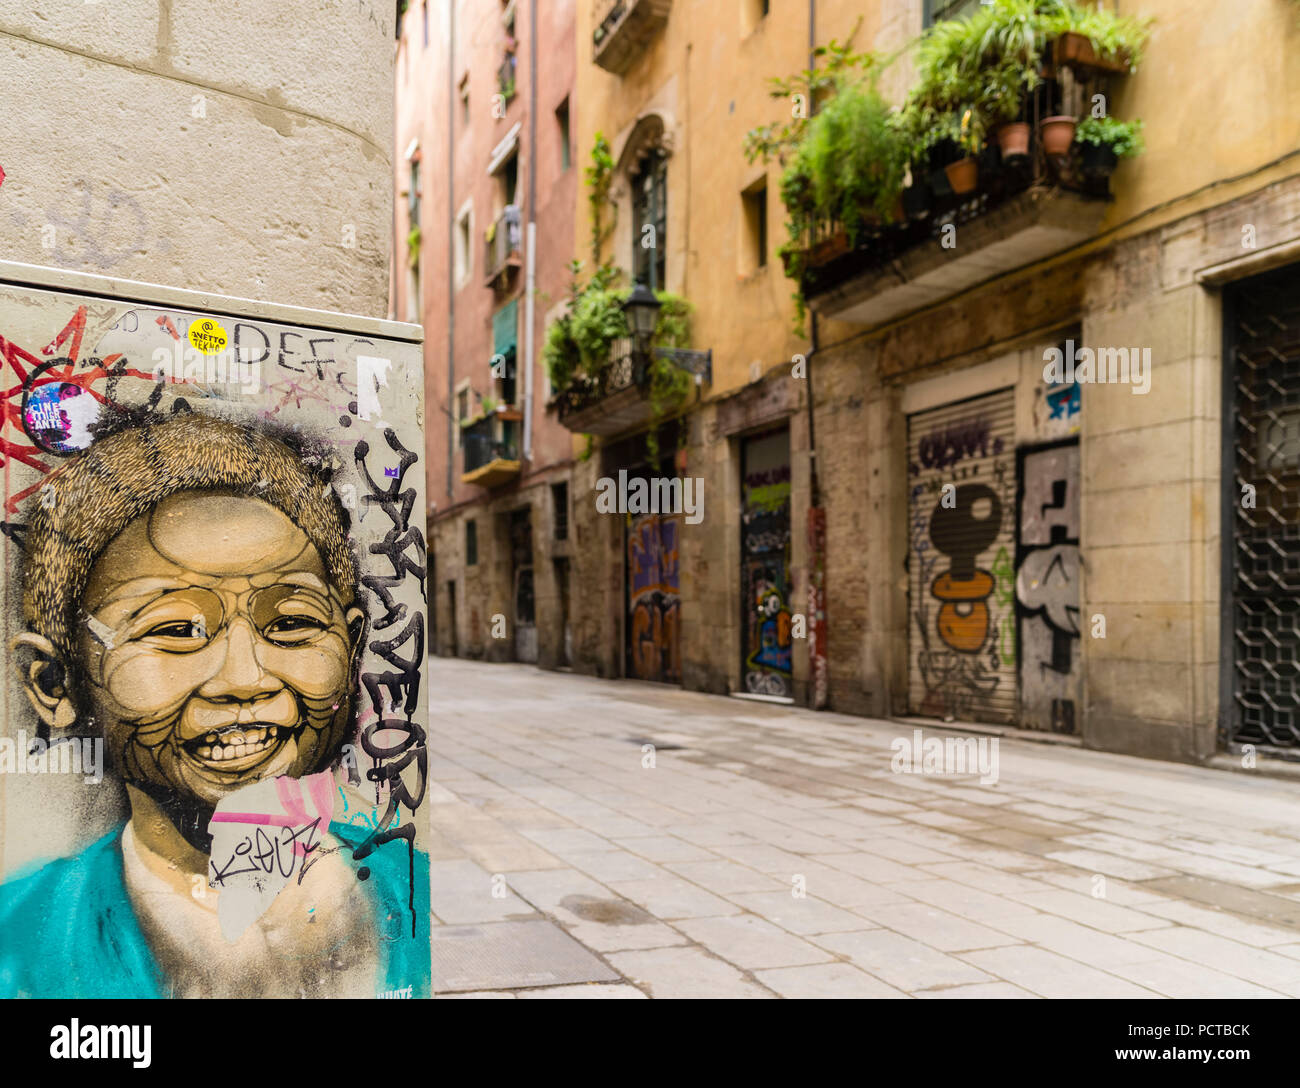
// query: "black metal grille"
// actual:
[[482, 448], [1264, 505], [624, 370]]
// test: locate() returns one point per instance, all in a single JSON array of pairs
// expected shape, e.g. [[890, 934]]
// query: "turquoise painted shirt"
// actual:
[[69, 930]]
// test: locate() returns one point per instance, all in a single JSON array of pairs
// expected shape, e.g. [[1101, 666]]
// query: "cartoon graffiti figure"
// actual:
[[773, 628], [192, 594], [961, 532]]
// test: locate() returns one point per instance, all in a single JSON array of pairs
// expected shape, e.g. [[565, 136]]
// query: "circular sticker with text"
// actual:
[[207, 335]]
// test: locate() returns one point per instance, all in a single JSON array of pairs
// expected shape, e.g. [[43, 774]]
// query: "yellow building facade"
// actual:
[[1092, 572]]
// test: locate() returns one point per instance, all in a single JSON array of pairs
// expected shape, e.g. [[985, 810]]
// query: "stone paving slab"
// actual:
[[500, 954], [773, 852], [685, 972]]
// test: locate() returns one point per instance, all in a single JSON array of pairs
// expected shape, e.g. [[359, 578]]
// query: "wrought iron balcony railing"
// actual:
[[626, 370], [481, 448], [1020, 211]]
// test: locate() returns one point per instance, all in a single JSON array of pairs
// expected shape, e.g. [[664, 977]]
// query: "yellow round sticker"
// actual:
[[207, 335]]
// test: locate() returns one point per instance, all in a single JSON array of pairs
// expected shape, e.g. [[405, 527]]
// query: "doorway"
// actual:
[[521, 564], [766, 666], [1259, 680]]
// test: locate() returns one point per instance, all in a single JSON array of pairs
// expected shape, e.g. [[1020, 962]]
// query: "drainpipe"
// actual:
[[451, 235], [530, 283], [818, 661]]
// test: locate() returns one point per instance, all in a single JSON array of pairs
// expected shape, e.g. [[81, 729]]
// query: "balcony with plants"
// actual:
[[623, 29], [490, 445], [617, 356], [604, 384], [1004, 137]]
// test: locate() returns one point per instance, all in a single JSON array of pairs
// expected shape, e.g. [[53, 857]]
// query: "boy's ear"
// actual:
[[355, 618], [44, 679]]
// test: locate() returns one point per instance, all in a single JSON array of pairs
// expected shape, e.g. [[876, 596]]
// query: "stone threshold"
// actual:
[[1010, 732]]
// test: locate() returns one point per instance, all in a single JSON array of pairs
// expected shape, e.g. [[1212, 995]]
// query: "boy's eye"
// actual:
[[288, 627], [176, 629], [294, 623]]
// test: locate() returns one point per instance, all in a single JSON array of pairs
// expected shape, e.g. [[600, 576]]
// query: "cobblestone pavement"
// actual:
[[1076, 874]]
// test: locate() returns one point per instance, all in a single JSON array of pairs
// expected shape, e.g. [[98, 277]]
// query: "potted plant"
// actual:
[[1096, 38], [855, 153], [1103, 141], [1057, 134], [963, 175], [1009, 43]]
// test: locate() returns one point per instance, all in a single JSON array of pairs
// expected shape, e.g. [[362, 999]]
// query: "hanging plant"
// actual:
[[413, 247], [1103, 141], [599, 177]]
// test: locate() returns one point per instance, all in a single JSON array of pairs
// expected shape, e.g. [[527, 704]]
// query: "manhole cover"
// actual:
[[508, 955], [608, 912]]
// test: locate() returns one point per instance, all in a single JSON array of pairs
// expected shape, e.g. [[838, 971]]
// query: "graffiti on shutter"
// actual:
[[961, 547], [1047, 588]]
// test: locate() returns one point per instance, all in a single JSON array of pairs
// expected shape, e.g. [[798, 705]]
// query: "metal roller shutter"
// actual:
[[961, 550]]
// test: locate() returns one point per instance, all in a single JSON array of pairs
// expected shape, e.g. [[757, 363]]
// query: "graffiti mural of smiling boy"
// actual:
[[191, 593]]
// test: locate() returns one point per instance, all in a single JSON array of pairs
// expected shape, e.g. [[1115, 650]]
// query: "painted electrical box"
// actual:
[[213, 752]]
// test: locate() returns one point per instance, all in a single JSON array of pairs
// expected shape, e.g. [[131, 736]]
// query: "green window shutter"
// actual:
[[505, 329]]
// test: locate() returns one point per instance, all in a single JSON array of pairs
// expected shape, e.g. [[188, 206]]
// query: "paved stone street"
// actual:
[[1077, 874]]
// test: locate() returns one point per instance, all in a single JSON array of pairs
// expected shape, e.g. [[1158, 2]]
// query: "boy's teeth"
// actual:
[[236, 743]]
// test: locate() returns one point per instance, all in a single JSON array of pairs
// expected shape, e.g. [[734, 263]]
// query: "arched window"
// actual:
[[650, 219]]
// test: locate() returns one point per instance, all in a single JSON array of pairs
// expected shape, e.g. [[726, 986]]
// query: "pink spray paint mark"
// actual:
[[289, 791]]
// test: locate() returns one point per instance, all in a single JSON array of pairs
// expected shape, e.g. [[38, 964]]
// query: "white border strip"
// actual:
[[122, 290]]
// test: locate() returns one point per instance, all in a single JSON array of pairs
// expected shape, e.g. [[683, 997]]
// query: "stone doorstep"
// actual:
[[1265, 766], [1009, 732]]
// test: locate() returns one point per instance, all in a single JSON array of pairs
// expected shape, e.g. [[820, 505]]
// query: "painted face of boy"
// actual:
[[217, 650]]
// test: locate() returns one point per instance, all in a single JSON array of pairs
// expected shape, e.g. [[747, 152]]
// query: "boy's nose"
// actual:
[[240, 676]]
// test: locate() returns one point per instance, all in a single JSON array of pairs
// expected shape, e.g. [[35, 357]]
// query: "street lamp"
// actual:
[[642, 310]]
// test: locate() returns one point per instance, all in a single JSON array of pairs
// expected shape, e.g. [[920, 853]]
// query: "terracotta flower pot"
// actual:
[[1057, 134], [828, 249], [963, 175], [1077, 49], [1013, 139]]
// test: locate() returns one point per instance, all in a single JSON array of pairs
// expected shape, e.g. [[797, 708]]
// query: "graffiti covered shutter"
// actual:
[[961, 546]]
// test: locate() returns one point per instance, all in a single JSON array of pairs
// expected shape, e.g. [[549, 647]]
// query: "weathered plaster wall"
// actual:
[[169, 142]]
